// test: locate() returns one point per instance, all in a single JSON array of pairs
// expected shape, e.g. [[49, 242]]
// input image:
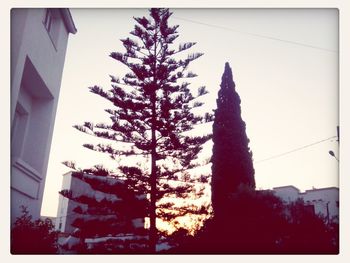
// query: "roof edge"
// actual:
[[68, 20], [286, 186], [321, 189]]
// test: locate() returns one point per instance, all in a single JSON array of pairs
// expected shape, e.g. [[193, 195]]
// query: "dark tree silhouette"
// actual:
[[247, 221], [253, 223], [308, 233], [151, 115], [258, 222], [232, 163], [30, 236]]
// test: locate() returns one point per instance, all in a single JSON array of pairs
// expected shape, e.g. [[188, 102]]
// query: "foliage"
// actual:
[[232, 163], [151, 115], [258, 222], [246, 221], [252, 223], [308, 233], [33, 237]]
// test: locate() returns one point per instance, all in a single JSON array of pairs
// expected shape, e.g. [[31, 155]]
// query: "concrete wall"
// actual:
[[287, 193], [65, 213], [324, 200], [62, 210], [36, 71]]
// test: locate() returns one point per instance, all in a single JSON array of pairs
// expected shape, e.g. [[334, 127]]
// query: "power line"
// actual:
[[295, 150], [257, 35]]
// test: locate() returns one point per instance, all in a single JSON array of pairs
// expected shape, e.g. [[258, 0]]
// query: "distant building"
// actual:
[[38, 48], [66, 214], [323, 201]]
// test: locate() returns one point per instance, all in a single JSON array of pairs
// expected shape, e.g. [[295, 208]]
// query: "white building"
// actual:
[[38, 48], [325, 201], [65, 213]]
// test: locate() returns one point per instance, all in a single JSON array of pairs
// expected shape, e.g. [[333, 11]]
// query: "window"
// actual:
[[29, 127], [310, 208], [48, 20], [18, 130], [52, 23]]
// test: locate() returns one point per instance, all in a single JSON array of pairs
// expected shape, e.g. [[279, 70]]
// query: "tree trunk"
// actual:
[[153, 183]]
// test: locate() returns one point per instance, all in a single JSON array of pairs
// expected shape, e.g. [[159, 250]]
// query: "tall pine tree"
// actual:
[[232, 163], [151, 115]]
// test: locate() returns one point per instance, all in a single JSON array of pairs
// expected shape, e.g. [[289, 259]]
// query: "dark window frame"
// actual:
[[50, 22]]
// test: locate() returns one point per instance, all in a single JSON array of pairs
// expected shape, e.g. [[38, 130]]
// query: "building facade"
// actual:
[[66, 214], [39, 40], [65, 211], [323, 201]]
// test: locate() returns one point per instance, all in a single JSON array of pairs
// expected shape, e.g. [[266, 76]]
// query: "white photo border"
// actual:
[[344, 86]]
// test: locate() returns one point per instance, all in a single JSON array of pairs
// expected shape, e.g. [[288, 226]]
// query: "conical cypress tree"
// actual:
[[232, 163]]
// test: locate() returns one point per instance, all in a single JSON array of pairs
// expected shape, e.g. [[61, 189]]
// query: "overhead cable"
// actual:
[[294, 150], [257, 35]]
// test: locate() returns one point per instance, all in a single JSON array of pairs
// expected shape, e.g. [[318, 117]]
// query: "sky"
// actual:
[[285, 66]]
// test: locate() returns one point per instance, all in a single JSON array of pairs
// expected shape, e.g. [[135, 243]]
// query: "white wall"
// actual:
[[65, 213], [324, 200], [287, 193], [62, 209], [36, 71]]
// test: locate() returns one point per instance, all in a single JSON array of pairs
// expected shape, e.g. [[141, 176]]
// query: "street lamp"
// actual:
[[332, 153]]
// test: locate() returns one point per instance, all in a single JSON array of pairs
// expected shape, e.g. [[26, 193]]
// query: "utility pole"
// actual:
[[331, 152], [338, 135], [327, 212]]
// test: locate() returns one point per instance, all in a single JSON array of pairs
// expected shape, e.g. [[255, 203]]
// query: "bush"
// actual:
[[258, 222], [33, 237]]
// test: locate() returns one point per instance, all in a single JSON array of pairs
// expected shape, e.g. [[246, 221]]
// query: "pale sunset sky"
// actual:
[[285, 66]]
